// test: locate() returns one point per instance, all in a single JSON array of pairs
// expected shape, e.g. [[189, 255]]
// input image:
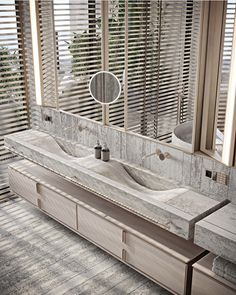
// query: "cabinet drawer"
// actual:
[[157, 264], [100, 230], [23, 186], [203, 284], [57, 206]]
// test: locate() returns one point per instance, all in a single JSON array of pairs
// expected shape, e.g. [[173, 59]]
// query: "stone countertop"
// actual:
[[177, 214], [217, 232]]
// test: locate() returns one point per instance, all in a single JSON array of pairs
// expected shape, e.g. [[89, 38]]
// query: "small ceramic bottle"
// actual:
[[105, 153], [97, 150]]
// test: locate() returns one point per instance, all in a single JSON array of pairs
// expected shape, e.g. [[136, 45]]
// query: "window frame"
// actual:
[[210, 71]]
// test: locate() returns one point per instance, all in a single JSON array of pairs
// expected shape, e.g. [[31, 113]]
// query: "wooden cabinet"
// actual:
[[100, 231], [155, 252], [58, 206], [157, 264], [205, 282]]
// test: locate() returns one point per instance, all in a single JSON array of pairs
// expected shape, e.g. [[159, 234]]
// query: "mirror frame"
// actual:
[[117, 80]]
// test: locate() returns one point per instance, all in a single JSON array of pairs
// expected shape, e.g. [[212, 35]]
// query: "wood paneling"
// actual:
[[101, 231], [159, 265], [57, 206]]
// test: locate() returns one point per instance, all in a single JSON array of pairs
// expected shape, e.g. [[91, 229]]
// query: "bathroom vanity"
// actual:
[[161, 201], [142, 219], [158, 254]]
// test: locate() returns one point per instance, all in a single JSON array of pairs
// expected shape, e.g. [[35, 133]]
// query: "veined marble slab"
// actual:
[[174, 208], [225, 269], [217, 232]]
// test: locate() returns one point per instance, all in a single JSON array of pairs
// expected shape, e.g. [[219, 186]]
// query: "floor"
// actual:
[[40, 256]]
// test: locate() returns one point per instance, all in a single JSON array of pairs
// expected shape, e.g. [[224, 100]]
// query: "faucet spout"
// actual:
[[158, 152], [147, 156]]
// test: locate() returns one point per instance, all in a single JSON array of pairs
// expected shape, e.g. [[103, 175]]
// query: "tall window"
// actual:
[[13, 104], [163, 41], [152, 46], [78, 50]]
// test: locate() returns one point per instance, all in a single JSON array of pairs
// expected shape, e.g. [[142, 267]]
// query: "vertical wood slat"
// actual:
[[229, 145], [212, 71], [225, 68], [105, 53], [125, 82], [197, 121]]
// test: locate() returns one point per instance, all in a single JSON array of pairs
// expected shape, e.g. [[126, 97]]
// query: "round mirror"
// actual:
[[105, 87]]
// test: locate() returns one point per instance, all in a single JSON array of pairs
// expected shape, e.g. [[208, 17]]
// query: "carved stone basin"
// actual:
[[148, 186], [60, 147]]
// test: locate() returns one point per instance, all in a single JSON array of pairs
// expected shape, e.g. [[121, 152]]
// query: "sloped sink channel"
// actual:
[[149, 189], [138, 190]]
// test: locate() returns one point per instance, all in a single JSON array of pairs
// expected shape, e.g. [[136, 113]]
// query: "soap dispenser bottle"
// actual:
[[105, 153], [97, 150]]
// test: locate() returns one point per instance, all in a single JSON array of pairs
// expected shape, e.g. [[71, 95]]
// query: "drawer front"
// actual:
[[203, 284], [101, 231], [23, 186], [155, 263], [57, 206]]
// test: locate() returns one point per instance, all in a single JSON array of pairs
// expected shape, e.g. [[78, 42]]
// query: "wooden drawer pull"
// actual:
[[123, 236], [123, 255], [37, 187], [39, 203]]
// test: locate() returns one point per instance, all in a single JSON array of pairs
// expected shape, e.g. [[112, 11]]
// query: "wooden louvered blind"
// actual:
[[13, 105], [163, 39], [225, 67], [78, 51], [154, 44]]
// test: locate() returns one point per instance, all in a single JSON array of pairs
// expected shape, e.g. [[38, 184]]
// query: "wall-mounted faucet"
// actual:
[[158, 153]]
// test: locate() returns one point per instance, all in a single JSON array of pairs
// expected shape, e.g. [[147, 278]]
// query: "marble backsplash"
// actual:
[[182, 167]]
